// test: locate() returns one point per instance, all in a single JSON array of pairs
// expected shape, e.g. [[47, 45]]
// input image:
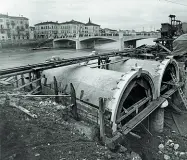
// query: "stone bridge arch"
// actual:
[[64, 43], [112, 38]]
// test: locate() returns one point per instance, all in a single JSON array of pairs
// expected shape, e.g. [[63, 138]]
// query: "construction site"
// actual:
[[129, 104]]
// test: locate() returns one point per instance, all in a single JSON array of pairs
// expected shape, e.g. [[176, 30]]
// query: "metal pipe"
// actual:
[[54, 64]]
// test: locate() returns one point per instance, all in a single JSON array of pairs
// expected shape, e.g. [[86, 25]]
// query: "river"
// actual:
[[18, 57]]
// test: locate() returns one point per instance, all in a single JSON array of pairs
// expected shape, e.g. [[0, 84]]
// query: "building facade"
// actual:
[[13, 28], [46, 30], [66, 29], [91, 29], [108, 32], [184, 27], [70, 29], [129, 32], [32, 33]]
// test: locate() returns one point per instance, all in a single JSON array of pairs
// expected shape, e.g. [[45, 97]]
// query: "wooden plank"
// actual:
[[133, 108], [5, 83], [56, 89], [27, 84], [40, 95], [142, 115], [169, 93], [74, 102], [9, 79], [38, 76], [163, 88], [163, 47], [23, 110], [16, 81], [15, 73], [99, 62], [22, 81], [177, 124], [169, 83], [45, 81], [30, 80], [60, 95], [101, 120], [135, 135], [34, 90], [137, 119]]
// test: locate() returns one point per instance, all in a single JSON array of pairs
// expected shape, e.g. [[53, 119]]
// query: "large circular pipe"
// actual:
[[160, 70], [118, 88]]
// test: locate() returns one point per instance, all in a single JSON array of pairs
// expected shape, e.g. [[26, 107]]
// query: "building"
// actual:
[[13, 28], [66, 29], [32, 33], [46, 30], [70, 29], [91, 29], [3, 27], [184, 27], [129, 32], [108, 32]]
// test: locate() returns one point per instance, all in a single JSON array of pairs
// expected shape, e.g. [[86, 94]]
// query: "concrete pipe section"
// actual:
[[160, 70], [121, 89]]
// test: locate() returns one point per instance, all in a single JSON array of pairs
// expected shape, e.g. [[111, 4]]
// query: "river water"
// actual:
[[18, 57]]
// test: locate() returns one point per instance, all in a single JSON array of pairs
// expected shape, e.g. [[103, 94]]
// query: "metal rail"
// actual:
[[49, 65]]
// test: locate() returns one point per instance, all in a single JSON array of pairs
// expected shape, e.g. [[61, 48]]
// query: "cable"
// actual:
[[176, 3]]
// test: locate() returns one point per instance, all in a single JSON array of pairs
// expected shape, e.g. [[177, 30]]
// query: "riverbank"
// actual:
[[26, 43]]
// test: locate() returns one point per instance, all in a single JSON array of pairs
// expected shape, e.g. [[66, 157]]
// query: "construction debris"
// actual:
[[23, 110]]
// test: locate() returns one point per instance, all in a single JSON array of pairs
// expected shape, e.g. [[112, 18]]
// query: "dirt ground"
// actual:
[[50, 136]]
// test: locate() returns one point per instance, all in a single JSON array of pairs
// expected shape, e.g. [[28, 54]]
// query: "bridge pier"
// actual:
[[84, 45], [125, 44], [121, 41]]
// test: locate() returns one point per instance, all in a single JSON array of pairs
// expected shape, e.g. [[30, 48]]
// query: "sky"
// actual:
[[116, 14]]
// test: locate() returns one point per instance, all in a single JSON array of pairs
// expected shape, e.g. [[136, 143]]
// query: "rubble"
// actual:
[[48, 136], [170, 151]]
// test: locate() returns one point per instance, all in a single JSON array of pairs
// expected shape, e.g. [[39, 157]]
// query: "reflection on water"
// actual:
[[18, 57]]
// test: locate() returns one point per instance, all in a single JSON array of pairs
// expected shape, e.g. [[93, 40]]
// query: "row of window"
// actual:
[[66, 27], [67, 31], [16, 37], [46, 32], [47, 27], [14, 21]]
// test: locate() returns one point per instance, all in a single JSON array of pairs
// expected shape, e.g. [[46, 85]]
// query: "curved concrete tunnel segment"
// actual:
[[98, 83], [157, 69]]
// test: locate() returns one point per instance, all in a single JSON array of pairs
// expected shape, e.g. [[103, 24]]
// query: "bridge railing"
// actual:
[[109, 35]]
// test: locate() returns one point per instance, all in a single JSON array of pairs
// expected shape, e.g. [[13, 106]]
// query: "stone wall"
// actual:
[[20, 43]]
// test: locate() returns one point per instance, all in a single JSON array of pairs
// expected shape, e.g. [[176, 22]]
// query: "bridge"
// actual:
[[89, 41]]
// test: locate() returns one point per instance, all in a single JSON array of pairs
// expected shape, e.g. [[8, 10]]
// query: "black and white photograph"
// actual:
[[93, 79]]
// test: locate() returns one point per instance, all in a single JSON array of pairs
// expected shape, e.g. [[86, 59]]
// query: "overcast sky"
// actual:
[[116, 14]]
